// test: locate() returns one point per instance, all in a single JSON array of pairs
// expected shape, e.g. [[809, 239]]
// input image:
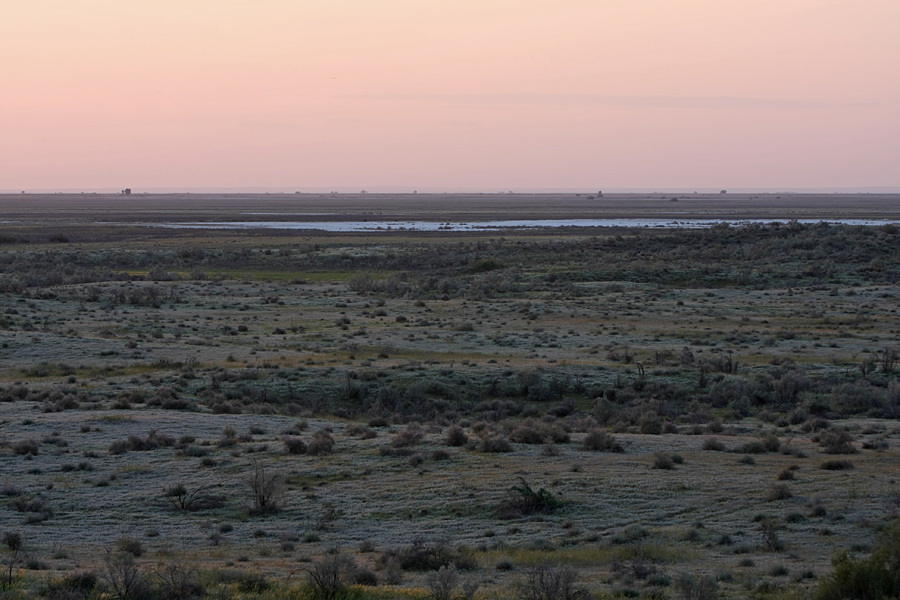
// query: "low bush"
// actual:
[[420, 556], [836, 442], [495, 444], [602, 441], [321, 444], [456, 436], [522, 500], [26, 447], [294, 445], [713, 444], [664, 461], [837, 465], [873, 578]]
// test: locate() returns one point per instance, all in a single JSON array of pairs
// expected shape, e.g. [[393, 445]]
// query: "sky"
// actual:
[[449, 94]]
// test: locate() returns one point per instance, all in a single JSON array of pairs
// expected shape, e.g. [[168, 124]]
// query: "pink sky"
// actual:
[[449, 94]]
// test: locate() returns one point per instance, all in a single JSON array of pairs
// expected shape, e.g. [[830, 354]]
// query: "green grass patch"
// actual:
[[589, 556]]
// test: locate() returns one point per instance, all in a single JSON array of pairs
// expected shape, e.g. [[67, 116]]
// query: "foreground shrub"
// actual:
[[873, 578]]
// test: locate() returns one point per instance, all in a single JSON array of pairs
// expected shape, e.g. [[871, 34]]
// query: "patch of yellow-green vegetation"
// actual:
[[596, 555], [279, 276], [105, 372], [146, 272], [359, 592]]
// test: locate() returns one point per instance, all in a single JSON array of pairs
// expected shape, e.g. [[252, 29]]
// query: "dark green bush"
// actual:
[[522, 500], [874, 578]]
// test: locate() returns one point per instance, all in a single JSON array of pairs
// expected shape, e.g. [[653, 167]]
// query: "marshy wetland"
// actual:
[[614, 411]]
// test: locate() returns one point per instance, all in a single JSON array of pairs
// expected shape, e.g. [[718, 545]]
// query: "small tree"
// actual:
[[265, 490], [13, 542]]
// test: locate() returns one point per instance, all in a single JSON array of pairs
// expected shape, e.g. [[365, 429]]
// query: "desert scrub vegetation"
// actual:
[[316, 391]]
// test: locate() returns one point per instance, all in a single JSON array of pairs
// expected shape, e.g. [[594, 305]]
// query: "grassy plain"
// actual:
[[729, 364]]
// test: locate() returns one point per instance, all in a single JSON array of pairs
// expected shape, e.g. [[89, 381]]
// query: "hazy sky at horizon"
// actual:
[[489, 94]]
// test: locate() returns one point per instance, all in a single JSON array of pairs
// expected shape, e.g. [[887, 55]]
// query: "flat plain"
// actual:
[[649, 410]]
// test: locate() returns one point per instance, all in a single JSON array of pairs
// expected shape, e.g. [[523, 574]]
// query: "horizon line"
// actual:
[[344, 189]]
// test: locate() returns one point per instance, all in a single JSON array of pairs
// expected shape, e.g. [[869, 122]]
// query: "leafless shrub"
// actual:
[[124, 577], [548, 583], [327, 578], [13, 542], [266, 490], [176, 582]]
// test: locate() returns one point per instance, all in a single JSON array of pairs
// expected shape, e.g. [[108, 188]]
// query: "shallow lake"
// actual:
[[353, 226]]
